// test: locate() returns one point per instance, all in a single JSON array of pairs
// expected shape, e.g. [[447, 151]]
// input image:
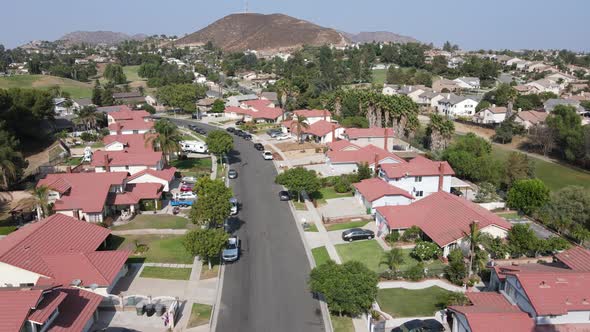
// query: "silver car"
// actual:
[[231, 253]]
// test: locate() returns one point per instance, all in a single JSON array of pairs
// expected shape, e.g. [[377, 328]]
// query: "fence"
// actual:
[[124, 303], [493, 205]]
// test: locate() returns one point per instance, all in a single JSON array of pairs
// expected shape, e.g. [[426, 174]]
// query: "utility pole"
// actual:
[[245, 6]]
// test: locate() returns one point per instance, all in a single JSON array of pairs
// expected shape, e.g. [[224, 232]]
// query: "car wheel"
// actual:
[[350, 240], [370, 237]]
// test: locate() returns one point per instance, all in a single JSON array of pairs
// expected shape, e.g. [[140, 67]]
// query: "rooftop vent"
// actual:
[[76, 282]]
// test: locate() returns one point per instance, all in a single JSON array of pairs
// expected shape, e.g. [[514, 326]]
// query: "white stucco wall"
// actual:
[[148, 178], [383, 201], [114, 146], [572, 317], [131, 170], [495, 231], [12, 275], [128, 132], [428, 185]]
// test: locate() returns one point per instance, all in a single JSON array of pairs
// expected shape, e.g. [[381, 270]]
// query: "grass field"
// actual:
[[171, 273], [379, 76], [74, 88], [328, 193], [160, 248], [131, 73], [555, 176], [400, 302], [346, 225], [143, 221], [299, 206], [342, 324], [193, 166], [311, 227], [200, 314], [320, 255]]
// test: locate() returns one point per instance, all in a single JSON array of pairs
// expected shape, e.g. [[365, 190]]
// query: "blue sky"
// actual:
[[473, 24]]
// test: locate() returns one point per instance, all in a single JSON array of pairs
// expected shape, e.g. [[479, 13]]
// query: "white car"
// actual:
[[267, 155], [234, 206], [187, 195], [189, 179], [282, 137]]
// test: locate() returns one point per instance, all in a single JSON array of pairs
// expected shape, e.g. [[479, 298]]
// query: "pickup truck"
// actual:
[[182, 203]]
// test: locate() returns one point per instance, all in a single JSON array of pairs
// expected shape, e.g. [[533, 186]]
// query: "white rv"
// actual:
[[193, 147]]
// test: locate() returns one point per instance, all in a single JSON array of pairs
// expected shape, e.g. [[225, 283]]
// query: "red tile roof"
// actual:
[[135, 124], [313, 113], [128, 114], [503, 270], [57, 234], [418, 166], [88, 191], [375, 188], [259, 111], [354, 133], [164, 174], [132, 142], [258, 103], [533, 117], [75, 311], [341, 145], [576, 258], [136, 192], [492, 312], [366, 154], [43, 311], [444, 217], [60, 185], [319, 128], [15, 304], [125, 158]]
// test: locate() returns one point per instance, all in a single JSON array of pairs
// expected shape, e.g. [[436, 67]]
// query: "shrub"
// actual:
[[415, 272], [149, 205], [424, 251], [456, 271], [342, 185], [392, 237], [411, 234], [88, 137]]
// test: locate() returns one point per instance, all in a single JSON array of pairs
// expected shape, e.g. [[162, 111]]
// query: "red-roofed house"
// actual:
[[346, 160], [163, 177], [374, 192], [444, 218], [127, 161], [259, 110], [576, 258], [126, 114], [489, 312], [129, 127], [320, 131], [60, 250], [381, 137], [130, 143], [50, 309], [420, 176], [313, 116]]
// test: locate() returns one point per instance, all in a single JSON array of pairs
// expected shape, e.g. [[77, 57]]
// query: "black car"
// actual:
[[247, 137], [230, 129], [357, 234], [259, 146], [232, 174], [284, 195], [195, 115], [273, 132], [418, 325], [240, 122], [239, 132]]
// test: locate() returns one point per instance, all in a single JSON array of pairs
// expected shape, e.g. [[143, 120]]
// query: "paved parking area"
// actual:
[[342, 207]]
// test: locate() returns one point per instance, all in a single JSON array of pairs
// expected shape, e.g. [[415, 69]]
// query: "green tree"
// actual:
[[566, 210], [218, 106], [528, 195], [474, 237], [355, 288], [212, 206], [495, 246], [470, 156], [41, 197], [300, 125], [502, 95], [88, 117], [522, 240], [566, 125], [97, 94], [355, 122], [518, 166], [299, 179], [363, 172], [167, 138], [456, 271], [440, 131], [114, 73], [206, 243], [425, 251], [219, 142], [392, 259], [457, 298], [183, 96], [12, 162]]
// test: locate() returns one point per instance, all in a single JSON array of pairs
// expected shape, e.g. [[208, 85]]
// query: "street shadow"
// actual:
[[234, 224], [233, 157]]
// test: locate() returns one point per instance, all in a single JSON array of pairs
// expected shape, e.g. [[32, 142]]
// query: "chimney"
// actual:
[[325, 115], [385, 140], [441, 174], [119, 132], [333, 133], [106, 163]]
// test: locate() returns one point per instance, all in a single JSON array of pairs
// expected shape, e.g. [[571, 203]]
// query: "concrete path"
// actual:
[[420, 285], [315, 218], [181, 266], [213, 167], [151, 231]]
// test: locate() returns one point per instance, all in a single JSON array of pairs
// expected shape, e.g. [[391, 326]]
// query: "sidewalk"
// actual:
[[420, 285]]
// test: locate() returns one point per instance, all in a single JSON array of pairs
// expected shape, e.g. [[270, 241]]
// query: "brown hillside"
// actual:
[[238, 32]]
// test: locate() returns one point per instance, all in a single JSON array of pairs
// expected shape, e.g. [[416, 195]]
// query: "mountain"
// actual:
[[379, 36], [99, 37], [274, 32]]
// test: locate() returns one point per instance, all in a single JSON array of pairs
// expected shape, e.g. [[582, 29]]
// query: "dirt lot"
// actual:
[[293, 146]]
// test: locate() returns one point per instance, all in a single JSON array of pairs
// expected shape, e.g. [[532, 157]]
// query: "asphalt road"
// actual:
[[266, 290]]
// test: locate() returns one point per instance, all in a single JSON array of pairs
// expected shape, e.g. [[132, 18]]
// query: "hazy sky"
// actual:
[[473, 24]]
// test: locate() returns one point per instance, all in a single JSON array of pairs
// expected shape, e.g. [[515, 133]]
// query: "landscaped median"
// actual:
[[200, 315], [320, 255], [171, 273], [152, 248], [401, 302], [342, 323]]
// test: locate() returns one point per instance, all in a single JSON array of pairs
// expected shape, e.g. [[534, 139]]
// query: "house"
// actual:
[[384, 137], [127, 161], [374, 192], [61, 251], [445, 85], [455, 62], [413, 91], [470, 83], [130, 127], [237, 100], [94, 196], [134, 143], [129, 98], [454, 106], [270, 96], [47, 308], [344, 158], [526, 89], [420, 176], [164, 177], [389, 90], [550, 104], [443, 218], [321, 131], [561, 77], [529, 119], [127, 114], [151, 100], [491, 115], [430, 99], [110, 109], [489, 311], [545, 85], [313, 116], [60, 107], [81, 102], [257, 110]]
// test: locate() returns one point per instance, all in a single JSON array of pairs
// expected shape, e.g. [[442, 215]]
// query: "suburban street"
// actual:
[[266, 290]]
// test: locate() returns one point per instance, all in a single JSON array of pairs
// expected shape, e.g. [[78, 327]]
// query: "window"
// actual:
[[127, 167], [419, 193], [27, 285], [418, 179], [136, 131]]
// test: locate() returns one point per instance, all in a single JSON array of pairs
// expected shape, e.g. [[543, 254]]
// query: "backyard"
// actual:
[[328, 193], [379, 76], [193, 166], [166, 273], [401, 302], [154, 221], [152, 248]]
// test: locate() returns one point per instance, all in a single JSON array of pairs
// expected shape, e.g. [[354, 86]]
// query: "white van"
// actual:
[[193, 147]]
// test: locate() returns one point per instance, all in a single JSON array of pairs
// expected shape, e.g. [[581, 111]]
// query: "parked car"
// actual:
[[284, 195], [273, 132], [189, 179], [187, 187], [357, 234], [267, 155], [240, 122], [232, 174], [176, 210], [227, 225], [239, 132], [188, 195], [419, 325], [282, 137], [231, 253], [181, 203], [201, 131], [234, 206], [195, 115], [259, 146], [230, 129], [247, 137]]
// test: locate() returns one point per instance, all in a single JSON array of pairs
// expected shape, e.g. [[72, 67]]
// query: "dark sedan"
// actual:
[[284, 195], [357, 234], [259, 146], [247, 137], [230, 129], [239, 132], [232, 174]]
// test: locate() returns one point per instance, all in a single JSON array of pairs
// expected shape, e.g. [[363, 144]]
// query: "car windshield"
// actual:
[[232, 243]]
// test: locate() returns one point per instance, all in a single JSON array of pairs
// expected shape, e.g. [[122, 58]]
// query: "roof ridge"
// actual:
[[94, 266], [38, 225]]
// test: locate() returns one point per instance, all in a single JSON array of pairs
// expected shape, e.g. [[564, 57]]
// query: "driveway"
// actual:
[[342, 207]]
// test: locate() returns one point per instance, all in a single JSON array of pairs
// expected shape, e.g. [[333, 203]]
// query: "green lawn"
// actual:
[[75, 88], [370, 253], [193, 166], [160, 248], [379, 76], [143, 221], [555, 176], [6, 226], [166, 273], [329, 193], [347, 225], [300, 206], [131, 73], [342, 324], [320, 255], [311, 227], [200, 314], [401, 302], [73, 161], [509, 215]]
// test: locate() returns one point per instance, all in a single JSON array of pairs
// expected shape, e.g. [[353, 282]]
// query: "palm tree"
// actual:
[[8, 168], [300, 124], [441, 132], [87, 116], [167, 138], [392, 259], [474, 237], [41, 196]]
